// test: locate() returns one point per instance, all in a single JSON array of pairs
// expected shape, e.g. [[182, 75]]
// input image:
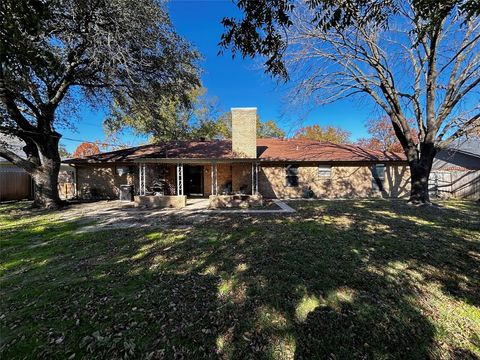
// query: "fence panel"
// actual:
[[457, 184], [15, 185]]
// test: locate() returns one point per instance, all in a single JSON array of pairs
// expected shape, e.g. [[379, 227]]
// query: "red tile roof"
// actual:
[[267, 150]]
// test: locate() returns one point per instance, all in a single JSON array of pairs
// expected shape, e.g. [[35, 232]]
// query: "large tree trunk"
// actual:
[[419, 176], [45, 176], [46, 185], [420, 173]]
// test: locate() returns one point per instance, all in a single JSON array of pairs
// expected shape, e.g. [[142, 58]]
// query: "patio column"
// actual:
[[253, 179], [256, 178], [179, 179], [214, 179], [142, 176]]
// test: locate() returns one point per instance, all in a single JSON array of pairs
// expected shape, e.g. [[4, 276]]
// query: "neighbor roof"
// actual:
[[267, 150], [14, 144], [470, 146]]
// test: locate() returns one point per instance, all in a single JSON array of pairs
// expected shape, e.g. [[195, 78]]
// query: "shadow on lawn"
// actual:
[[336, 280]]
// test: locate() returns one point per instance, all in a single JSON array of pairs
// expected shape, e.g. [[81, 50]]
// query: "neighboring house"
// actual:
[[17, 184], [456, 170], [245, 165]]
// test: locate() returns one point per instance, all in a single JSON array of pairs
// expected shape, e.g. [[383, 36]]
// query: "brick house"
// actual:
[[271, 168]]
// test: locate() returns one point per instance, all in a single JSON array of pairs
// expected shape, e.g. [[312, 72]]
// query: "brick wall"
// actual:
[[344, 182], [244, 132], [238, 175], [99, 182], [224, 177], [242, 178]]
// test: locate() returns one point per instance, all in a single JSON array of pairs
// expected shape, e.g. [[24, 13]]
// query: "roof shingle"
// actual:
[[267, 150]]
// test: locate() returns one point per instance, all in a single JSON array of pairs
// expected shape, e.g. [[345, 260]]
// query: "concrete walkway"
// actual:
[[284, 208], [201, 205], [109, 215]]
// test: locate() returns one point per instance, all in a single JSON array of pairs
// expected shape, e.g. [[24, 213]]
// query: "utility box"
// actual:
[[126, 192]]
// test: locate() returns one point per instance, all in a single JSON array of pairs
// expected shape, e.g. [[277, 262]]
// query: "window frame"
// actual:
[[321, 171], [378, 177], [289, 174]]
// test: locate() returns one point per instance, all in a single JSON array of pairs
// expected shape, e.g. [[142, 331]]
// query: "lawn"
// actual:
[[337, 279]]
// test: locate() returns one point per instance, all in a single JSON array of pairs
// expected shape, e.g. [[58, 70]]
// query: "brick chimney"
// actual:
[[244, 132]]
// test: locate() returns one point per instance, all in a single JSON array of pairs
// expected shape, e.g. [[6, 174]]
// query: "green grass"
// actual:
[[338, 279]]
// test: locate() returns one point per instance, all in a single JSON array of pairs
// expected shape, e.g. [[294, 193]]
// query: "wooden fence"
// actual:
[[457, 184], [15, 184]]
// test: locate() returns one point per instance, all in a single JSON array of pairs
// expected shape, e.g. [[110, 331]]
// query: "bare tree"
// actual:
[[414, 59], [407, 70], [57, 55]]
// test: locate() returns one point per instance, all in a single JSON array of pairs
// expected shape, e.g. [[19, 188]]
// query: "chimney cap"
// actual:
[[243, 108]]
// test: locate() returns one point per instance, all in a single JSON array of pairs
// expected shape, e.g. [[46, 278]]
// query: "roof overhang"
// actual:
[[193, 161], [235, 160]]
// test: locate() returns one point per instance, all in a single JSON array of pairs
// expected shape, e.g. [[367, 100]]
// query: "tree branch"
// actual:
[[17, 160]]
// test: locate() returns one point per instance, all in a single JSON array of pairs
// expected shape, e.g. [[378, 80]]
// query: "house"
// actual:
[[456, 170], [166, 173]]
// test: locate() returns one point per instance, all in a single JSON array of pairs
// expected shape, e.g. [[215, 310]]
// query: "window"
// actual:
[[324, 171], [291, 175], [378, 174]]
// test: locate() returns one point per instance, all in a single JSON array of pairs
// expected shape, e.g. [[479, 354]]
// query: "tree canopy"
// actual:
[[382, 135], [329, 133], [171, 120], [57, 56], [86, 149]]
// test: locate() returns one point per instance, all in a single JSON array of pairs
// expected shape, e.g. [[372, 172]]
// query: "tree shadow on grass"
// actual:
[[337, 279]]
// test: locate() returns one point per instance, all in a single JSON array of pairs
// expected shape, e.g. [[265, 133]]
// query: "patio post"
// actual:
[[179, 179], [141, 182], [211, 179], [214, 178], [253, 179], [256, 178]]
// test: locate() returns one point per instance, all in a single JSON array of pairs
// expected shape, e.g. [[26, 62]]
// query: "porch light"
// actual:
[[122, 170]]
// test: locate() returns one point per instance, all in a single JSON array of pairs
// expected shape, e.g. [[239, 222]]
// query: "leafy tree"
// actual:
[[173, 121], [86, 149], [383, 136], [417, 58], [63, 152], [371, 143], [269, 129], [55, 56], [168, 120], [329, 133]]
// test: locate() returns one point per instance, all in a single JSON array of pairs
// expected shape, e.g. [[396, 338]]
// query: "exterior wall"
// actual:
[[344, 182], [236, 178], [242, 178], [99, 182], [96, 182], [244, 132], [224, 178], [154, 173]]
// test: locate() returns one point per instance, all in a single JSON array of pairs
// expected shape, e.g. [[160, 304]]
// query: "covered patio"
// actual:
[[168, 182]]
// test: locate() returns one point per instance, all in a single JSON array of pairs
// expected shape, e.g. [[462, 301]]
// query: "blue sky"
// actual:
[[236, 82]]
